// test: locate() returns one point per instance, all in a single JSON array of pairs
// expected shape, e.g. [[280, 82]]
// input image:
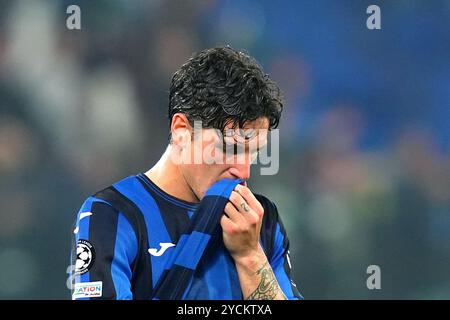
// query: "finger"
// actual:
[[239, 202], [250, 198], [228, 225], [233, 214], [250, 215]]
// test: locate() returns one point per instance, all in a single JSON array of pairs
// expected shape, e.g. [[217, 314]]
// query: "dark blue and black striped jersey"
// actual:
[[125, 236]]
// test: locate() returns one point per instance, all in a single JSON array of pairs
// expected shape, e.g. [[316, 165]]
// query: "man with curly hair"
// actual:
[[190, 228]]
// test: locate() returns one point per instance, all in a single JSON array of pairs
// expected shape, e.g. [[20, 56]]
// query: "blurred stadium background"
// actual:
[[365, 169]]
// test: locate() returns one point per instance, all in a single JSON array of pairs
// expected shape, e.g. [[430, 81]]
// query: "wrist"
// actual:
[[252, 261]]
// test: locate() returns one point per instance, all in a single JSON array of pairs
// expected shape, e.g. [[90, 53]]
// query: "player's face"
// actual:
[[227, 155]]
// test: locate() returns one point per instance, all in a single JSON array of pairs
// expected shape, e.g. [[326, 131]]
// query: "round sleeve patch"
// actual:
[[85, 256]]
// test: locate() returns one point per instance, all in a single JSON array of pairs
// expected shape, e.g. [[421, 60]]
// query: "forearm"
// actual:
[[257, 279]]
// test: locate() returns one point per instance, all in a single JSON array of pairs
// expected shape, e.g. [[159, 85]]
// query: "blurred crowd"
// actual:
[[364, 173]]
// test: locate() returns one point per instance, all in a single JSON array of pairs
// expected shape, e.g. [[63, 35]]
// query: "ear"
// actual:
[[181, 129]]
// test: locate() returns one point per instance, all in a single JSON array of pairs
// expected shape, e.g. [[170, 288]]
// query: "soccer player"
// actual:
[[189, 229]]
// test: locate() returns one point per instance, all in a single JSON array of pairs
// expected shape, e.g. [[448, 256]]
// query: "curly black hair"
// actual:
[[220, 86]]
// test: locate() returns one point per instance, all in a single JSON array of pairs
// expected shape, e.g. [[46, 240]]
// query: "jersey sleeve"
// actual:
[[104, 249], [281, 264], [276, 243]]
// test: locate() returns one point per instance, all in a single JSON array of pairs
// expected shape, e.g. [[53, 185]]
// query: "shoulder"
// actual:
[[96, 214], [104, 205], [94, 204], [125, 198], [117, 195]]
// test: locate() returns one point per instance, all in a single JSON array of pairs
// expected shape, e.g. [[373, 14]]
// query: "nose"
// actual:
[[242, 171]]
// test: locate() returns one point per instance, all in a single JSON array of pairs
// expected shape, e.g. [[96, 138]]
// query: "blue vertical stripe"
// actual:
[[125, 251], [83, 230], [197, 243], [222, 278], [156, 228], [83, 233]]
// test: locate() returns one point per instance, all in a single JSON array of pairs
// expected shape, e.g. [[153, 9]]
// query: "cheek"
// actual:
[[206, 175]]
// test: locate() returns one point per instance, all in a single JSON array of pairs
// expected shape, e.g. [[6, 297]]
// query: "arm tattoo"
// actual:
[[268, 286]]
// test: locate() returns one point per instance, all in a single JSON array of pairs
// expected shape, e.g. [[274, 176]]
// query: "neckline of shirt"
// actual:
[[165, 195]]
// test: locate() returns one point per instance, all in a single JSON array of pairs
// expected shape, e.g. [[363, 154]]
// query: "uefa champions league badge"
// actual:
[[85, 256]]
